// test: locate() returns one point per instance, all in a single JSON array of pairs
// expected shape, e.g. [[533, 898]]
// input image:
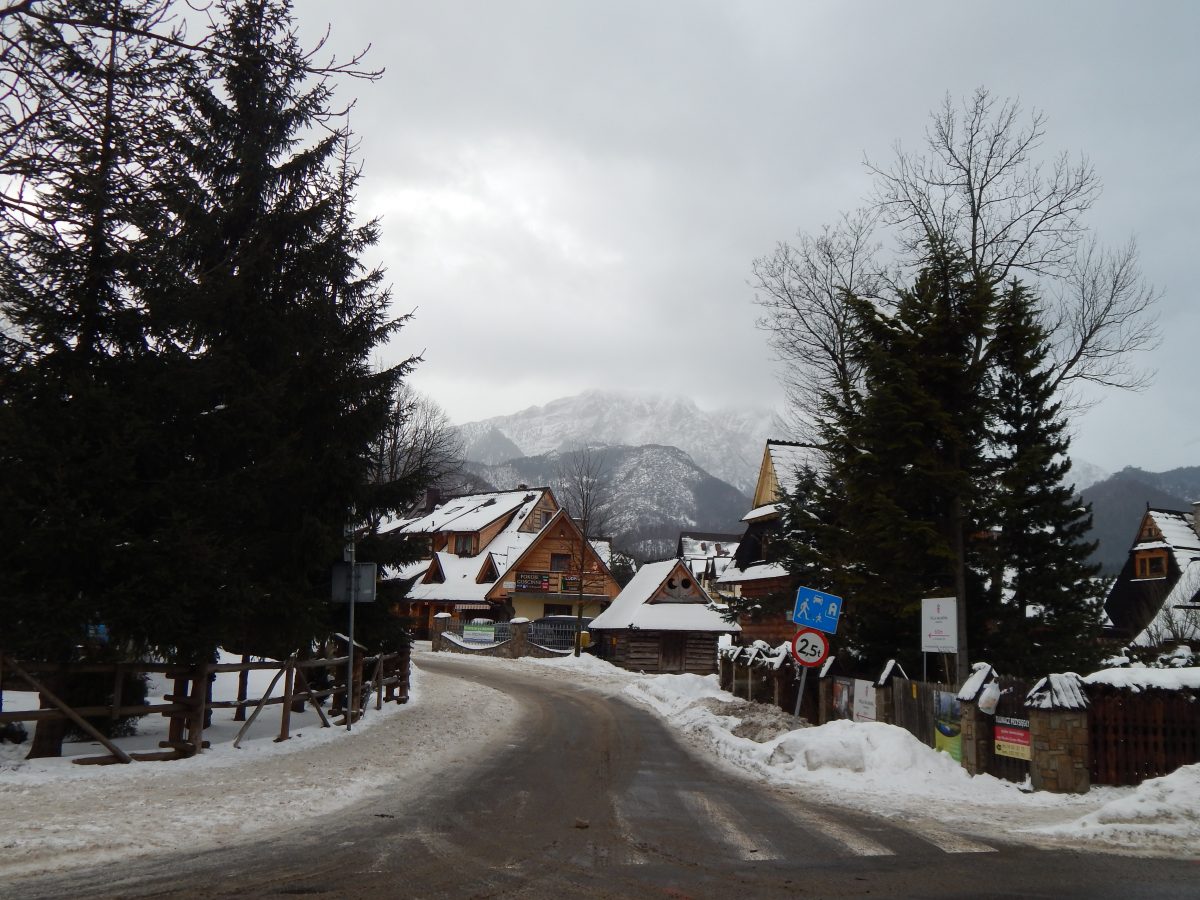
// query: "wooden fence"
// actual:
[[1140, 735], [189, 704]]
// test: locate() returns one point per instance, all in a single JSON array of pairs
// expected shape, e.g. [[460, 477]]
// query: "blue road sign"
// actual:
[[818, 610]]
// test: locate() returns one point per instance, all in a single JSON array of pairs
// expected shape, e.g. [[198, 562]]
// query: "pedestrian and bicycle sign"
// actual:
[[809, 647], [816, 609]]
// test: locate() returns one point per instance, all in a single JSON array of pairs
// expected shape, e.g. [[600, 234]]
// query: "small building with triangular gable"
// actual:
[[662, 621]]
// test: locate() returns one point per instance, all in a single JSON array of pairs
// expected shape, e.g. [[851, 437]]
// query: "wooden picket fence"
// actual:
[[189, 704], [1140, 735]]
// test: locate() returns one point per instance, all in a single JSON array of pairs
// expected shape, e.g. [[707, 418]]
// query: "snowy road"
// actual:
[[535, 787]]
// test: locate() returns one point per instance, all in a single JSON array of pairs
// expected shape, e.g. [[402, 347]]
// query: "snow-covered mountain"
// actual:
[[725, 443], [656, 492], [1084, 474]]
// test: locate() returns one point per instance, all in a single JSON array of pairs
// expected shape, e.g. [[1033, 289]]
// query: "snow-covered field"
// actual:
[[224, 795]]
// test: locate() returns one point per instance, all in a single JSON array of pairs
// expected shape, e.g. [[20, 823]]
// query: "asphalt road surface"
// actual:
[[597, 799]]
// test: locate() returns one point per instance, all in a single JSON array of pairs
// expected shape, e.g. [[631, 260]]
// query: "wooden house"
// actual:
[[756, 572], [499, 555], [663, 621], [707, 553], [1155, 601]]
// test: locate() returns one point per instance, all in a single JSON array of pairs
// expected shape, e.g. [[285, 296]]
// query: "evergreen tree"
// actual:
[[76, 435], [896, 501], [1044, 602], [272, 326]]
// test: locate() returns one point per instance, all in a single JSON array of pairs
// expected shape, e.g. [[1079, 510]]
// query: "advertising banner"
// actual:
[[479, 633], [533, 581], [1012, 737], [947, 724]]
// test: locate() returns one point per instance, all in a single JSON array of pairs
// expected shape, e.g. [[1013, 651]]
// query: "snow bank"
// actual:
[[1167, 807], [1140, 679]]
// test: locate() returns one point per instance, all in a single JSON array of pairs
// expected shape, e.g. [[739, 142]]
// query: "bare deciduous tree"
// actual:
[[980, 188], [584, 488]]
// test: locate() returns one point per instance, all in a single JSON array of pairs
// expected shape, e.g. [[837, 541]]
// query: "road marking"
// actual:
[[632, 856], [948, 842], [711, 814], [856, 843]]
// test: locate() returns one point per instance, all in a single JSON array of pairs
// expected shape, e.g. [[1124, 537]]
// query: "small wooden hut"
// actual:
[[663, 621]]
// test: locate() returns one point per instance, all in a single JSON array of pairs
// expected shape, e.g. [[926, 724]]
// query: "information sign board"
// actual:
[[364, 582], [479, 632], [939, 625], [1012, 737], [538, 582], [816, 609], [809, 647]]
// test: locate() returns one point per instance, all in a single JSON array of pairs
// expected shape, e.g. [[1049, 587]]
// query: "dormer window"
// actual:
[[1150, 565], [464, 544]]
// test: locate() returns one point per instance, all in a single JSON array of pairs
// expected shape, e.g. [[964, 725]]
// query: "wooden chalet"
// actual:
[[1155, 601], [663, 621], [755, 571], [499, 555]]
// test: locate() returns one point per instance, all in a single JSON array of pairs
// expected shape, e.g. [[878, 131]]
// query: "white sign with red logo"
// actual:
[[809, 647], [939, 625]]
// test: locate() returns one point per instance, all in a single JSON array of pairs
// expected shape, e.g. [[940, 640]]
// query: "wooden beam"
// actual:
[[71, 714]]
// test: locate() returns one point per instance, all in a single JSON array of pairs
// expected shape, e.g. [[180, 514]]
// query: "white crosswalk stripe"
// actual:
[[853, 842], [748, 847], [948, 842]]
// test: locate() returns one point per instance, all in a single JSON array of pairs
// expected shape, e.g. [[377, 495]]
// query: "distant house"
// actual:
[[707, 554], [498, 555], [1149, 602], [663, 621], [756, 571]]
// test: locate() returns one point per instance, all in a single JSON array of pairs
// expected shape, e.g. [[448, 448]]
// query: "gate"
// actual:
[[1135, 736], [1010, 713]]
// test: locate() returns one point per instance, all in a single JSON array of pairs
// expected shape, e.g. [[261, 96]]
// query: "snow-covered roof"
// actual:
[[787, 460], [763, 512], [754, 572], [631, 608], [704, 546], [471, 513], [1063, 691], [1139, 679], [1172, 623]]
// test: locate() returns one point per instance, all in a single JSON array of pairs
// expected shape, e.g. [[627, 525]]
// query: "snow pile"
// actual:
[[857, 757], [1167, 807], [585, 663]]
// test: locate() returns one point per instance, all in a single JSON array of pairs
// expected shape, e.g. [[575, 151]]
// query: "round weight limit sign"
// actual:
[[809, 647]]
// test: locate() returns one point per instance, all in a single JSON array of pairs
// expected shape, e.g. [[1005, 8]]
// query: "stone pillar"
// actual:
[[518, 644], [441, 622], [1060, 750], [977, 741]]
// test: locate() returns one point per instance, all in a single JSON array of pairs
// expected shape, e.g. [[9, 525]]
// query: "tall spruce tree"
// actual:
[[1043, 604], [272, 323], [897, 499], [76, 435]]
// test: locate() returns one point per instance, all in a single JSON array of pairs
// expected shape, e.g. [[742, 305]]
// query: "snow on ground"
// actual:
[[58, 814], [52, 806]]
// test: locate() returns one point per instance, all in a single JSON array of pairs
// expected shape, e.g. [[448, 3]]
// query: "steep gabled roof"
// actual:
[[474, 512], [647, 603], [559, 521], [777, 472]]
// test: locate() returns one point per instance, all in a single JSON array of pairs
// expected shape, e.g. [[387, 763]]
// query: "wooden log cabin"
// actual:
[[663, 621]]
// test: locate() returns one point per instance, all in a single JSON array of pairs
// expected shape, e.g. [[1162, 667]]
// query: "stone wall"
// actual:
[[515, 647]]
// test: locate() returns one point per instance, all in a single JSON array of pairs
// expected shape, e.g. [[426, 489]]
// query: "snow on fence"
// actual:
[[189, 704]]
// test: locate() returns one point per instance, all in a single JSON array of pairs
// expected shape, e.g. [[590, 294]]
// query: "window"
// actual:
[[560, 562], [463, 544], [1151, 565], [546, 517], [557, 609]]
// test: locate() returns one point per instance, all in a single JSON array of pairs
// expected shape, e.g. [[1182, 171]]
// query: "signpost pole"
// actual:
[[800, 693], [350, 656]]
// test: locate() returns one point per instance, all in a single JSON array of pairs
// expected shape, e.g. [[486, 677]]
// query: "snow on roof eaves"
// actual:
[[755, 572], [763, 512], [630, 610], [1176, 528]]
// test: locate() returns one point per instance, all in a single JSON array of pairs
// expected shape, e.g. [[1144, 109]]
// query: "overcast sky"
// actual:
[[572, 193]]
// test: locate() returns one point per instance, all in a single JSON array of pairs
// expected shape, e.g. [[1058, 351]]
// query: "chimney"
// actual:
[[433, 496], [522, 487]]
